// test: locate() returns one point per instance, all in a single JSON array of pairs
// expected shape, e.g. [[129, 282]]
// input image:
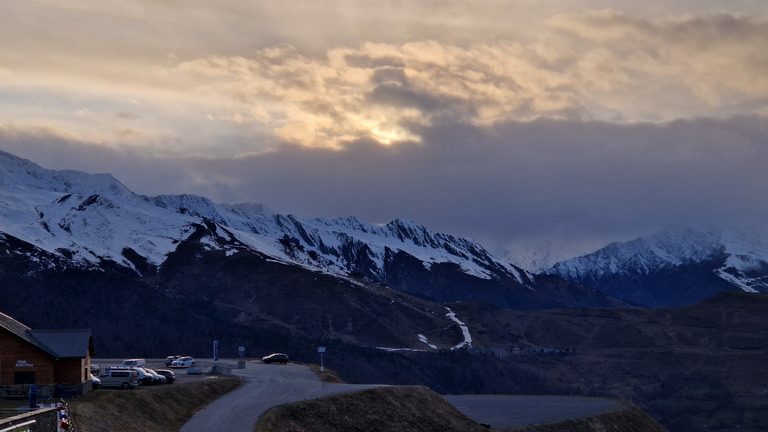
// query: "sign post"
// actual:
[[321, 350]]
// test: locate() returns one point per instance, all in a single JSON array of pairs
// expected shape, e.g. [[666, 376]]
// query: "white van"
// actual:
[[134, 362], [123, 378]]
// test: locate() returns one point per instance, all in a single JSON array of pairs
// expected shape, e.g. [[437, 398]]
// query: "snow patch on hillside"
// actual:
[[464, 330]]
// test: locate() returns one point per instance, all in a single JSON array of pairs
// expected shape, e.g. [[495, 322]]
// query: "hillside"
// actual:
[[687, 366]]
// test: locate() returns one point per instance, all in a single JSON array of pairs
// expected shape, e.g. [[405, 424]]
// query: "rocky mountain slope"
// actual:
[[675, 266]]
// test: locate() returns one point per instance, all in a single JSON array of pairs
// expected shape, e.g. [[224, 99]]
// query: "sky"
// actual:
[[525, 125]]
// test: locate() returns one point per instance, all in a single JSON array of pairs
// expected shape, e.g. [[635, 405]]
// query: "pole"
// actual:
[[321, 350]]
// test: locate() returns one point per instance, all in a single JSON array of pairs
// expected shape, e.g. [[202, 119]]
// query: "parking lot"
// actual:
[[203, 365]]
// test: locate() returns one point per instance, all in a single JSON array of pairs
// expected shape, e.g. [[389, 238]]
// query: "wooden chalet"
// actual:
[[56, 362]]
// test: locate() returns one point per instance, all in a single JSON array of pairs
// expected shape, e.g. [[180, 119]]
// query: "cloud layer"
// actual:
[[512, 123]]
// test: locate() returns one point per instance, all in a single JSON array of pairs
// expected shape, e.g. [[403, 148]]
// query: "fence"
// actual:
[[41, 420]]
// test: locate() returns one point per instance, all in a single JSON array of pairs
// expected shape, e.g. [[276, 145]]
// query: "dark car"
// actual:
[[157, 378], [276, 358], [145, 378], [168, 374]]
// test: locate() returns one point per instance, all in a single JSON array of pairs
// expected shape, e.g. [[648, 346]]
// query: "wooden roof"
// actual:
[[56, 343]]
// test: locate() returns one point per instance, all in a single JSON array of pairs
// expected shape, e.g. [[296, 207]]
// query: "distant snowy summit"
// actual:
[[675, 266]]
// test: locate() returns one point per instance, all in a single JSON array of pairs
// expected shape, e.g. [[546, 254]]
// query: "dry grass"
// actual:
[[385, 409], [326, 376], [150, 409]]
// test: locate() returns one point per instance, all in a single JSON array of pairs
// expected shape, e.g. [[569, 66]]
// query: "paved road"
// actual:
[[265, 386]]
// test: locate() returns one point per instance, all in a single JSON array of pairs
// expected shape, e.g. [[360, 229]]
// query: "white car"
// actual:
[[183, 362]]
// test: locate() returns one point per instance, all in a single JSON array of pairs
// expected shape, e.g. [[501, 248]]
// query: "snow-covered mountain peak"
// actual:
[[669, 259], [669, 247], [15, 171]]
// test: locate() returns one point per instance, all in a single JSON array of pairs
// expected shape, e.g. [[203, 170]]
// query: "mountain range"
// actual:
[[393, 303], [90, 220]]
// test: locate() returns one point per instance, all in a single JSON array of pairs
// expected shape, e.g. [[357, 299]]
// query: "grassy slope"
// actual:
[[399, 408], [150, 409]]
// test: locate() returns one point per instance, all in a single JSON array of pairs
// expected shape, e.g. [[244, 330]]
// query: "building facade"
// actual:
[[55, 362]]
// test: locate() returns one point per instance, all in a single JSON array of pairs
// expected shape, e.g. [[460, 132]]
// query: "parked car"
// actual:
[[185, 361], [95, 382], [170, 377], [170, 359], [121, 378], [275, 358], [134, 362], [158, 379], [95, 370], [144, 377]]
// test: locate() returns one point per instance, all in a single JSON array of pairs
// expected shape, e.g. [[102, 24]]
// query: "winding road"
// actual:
[[265, 386]]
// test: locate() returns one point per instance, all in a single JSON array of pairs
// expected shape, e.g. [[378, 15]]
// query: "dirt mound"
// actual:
[[385, 409]]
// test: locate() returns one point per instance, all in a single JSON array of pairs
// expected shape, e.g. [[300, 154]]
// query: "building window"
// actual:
[[24, 378]]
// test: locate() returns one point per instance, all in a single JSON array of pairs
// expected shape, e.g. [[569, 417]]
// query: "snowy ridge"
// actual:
[[666, 248], [93, 217], [741, 254]]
